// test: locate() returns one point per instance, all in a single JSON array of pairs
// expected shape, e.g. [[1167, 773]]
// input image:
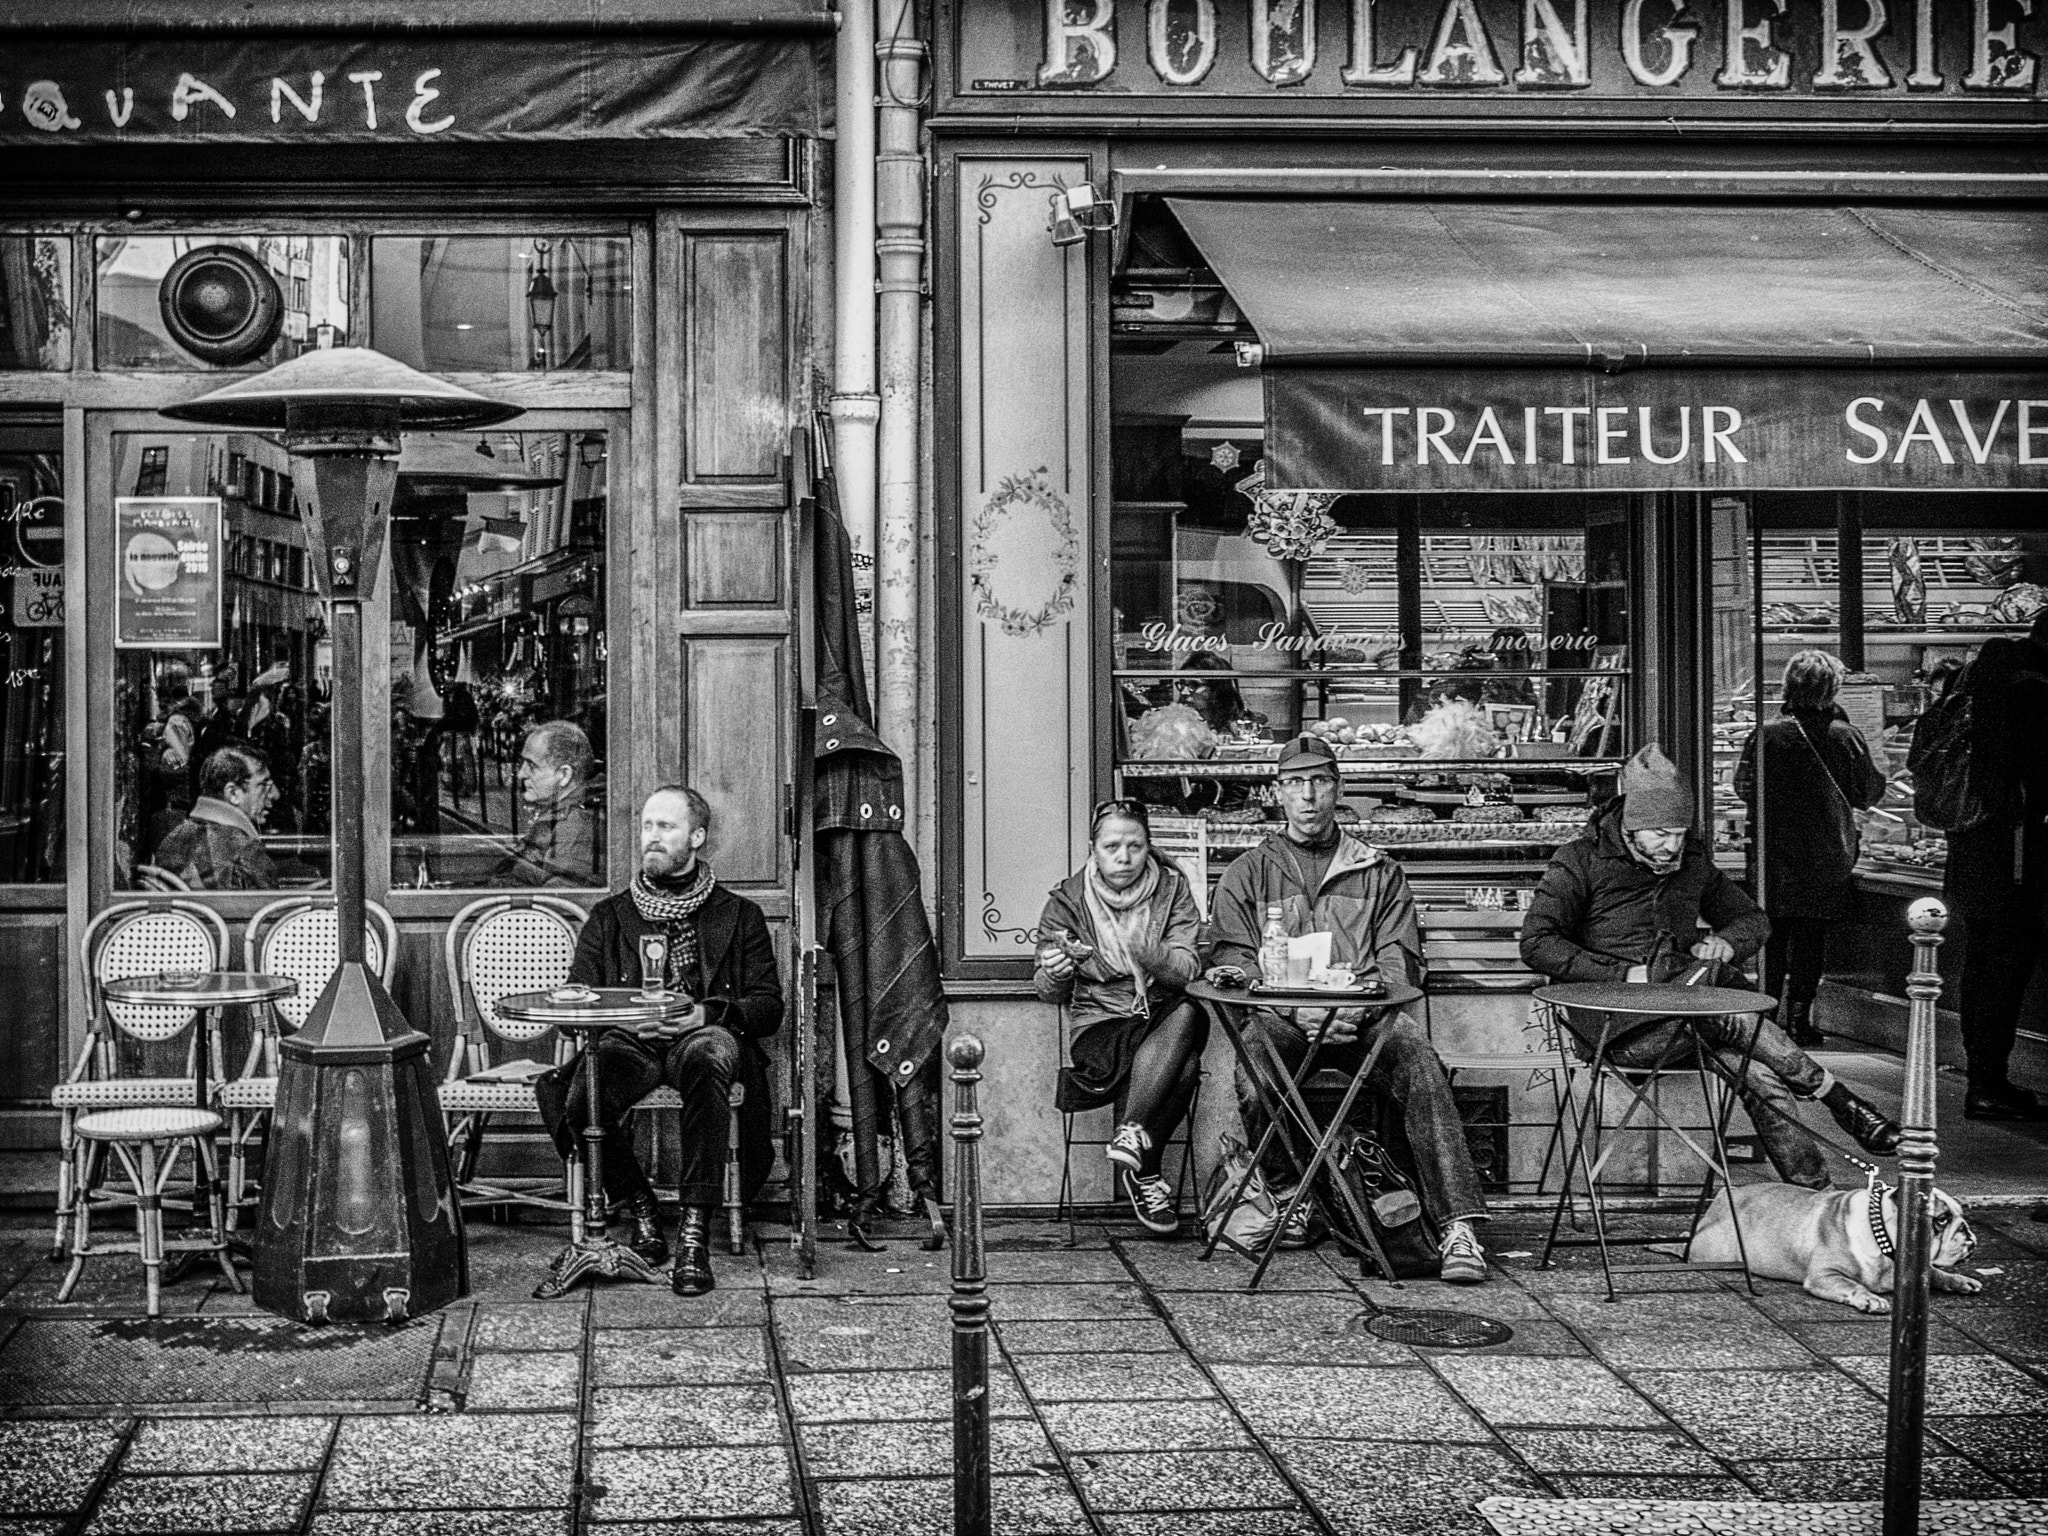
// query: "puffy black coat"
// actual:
[[1597, 912], [1808, 826]]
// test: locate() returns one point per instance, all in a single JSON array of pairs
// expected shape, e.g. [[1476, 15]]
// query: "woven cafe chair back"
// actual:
[[508, 944], [140, 939], [296, 938]]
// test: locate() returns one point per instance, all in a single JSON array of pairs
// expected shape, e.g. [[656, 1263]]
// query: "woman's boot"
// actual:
[[692, 1275]]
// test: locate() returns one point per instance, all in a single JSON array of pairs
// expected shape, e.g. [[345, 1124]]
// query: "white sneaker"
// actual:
[[1128, 1145], [1464, 1261], [1299, 1231], [1152, 1203]]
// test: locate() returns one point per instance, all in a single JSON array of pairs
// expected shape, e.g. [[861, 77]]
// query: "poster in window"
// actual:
[[167, 594]]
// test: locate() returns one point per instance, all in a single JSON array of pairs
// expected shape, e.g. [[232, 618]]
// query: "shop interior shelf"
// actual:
[[1401, 768]]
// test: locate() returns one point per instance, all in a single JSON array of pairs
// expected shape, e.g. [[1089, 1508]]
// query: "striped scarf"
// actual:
[[674, 911]]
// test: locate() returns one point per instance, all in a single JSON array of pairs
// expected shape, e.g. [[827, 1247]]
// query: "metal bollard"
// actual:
[[969, 1302], [1905, 1418]]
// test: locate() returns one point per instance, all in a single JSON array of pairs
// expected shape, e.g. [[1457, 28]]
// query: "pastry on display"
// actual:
[[1234, 816], [1491, 812], [1399, 815]]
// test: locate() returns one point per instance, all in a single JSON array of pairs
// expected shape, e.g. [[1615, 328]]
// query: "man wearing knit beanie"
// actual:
[[1638, 898]]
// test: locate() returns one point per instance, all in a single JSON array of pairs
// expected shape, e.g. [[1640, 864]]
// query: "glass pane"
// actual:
[[35, 302], [312, 285], [498, 660], [503, 303], [32, 652], [221, 778]]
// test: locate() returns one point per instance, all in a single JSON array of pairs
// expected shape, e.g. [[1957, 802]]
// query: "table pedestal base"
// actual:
[[580, 1261]]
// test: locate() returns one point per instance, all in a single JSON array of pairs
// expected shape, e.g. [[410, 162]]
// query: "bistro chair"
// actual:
[[1065, 1099], [294, 937], [495, 947], [130, 938], [666, 1099], [1591, 1141], [135, 1136]]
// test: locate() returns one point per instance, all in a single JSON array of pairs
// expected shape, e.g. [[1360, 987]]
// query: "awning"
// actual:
[[429, 71], [1494, 345]]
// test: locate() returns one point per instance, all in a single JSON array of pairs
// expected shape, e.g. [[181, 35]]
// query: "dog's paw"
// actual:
[[1869, 1302], [1957, 1284]]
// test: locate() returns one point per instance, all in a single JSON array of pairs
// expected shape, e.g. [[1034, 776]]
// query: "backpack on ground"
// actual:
[[1248, 1224]]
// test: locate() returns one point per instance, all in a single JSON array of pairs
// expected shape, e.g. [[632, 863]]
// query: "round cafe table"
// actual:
[[1288, 1115], [1620, 1006], [585, 1014], [207, 992]]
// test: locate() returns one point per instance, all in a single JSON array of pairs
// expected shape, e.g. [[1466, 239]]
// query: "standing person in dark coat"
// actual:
[[720, 954], [1817, 774], [1997, 873], [1624, 902]]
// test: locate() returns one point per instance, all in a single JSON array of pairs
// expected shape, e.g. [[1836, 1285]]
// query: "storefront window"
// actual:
[[500, 303], [1466, 657], [224, 669], [179, 302], [32, 637], [498, 650], [35, 302]]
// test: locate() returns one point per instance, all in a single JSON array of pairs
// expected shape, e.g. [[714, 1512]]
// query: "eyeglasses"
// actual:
[[1133, 809]]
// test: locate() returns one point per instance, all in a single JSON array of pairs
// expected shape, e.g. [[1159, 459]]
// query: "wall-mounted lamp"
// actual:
[[540, 304], [590, 450], [1077, 210]]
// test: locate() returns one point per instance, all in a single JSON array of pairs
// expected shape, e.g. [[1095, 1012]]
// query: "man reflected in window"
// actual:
[[218, 846], [563, 798]]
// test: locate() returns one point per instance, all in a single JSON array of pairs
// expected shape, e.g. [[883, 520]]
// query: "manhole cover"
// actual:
[[245, 1360], [1438, 1329]]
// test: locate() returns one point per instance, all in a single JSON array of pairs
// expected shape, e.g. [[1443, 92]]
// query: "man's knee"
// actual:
[[710, 1054], [1408, 1057]]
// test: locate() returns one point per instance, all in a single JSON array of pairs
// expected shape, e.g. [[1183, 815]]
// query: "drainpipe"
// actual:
[[855, 406], [899, 249]]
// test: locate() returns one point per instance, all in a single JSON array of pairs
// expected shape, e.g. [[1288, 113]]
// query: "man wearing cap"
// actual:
[[1323, 881], [1637, 898]]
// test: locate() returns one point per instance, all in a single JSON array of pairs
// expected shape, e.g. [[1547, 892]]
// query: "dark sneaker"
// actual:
[[1152, 1203], [1464, 1261], [1862, 1120], [1128, 1145]]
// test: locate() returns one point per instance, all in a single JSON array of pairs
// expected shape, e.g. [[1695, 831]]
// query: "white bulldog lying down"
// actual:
[[1838, 1243]]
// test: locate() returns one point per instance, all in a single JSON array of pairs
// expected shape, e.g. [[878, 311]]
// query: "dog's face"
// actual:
[[1953, 1239]]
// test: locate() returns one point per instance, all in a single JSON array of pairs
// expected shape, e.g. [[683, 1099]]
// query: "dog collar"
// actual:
[[1874, 1207]]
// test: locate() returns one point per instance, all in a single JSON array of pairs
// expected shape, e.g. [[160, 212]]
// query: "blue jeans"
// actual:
[[1408, 1073]]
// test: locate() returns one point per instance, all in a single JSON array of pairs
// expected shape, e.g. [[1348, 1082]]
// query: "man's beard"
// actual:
[[658, 863]]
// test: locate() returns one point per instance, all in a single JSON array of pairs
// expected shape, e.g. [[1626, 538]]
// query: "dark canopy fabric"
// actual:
[[129, 18], [1606, 286]]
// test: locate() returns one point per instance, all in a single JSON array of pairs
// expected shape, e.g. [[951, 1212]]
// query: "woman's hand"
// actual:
[[1056, 962]]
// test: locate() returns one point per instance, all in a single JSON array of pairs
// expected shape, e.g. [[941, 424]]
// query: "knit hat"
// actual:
[[1652, 793]]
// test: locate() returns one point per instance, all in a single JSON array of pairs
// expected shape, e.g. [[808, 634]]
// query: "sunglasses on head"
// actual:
[[1132, 810]]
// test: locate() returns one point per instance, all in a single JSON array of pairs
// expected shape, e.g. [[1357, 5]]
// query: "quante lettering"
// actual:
[[192, 97]]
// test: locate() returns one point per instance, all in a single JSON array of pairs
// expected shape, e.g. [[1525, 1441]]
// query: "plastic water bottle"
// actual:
[[1273, 948]]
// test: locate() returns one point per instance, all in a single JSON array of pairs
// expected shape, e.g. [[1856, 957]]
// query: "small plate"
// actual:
[[180, 978], [572, 995]]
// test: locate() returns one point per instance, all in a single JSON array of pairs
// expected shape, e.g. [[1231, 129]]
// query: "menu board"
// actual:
[[1185, 841], [167, 593], [1862, 700]]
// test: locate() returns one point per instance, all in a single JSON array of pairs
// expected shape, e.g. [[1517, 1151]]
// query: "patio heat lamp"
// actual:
[[359, 1218]]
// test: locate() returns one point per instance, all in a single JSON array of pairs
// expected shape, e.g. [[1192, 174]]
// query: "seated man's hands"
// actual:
[[1226, 976], [666, 1031], [1714, 947], [1345, 1024]]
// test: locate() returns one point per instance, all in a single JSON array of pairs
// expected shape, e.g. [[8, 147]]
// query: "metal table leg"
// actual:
[[595, 1253]]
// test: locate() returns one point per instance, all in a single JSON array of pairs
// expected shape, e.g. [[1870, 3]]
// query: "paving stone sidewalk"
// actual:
[[1137, 1392]]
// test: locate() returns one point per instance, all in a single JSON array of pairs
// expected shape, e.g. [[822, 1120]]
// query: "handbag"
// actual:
[[1248, 1225], [1845, 825]]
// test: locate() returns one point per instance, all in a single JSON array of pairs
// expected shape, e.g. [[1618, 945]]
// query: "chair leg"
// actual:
[[216, 1215], [149, 1225], [79, 1224], [1067, 1179], [67, 1148], [735, 1214]]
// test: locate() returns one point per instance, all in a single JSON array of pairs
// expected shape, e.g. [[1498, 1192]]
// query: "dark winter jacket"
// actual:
[[737, 982], [2006, 859], [1364, 903], [1808, 825], [1173, 927], [1598, 912]]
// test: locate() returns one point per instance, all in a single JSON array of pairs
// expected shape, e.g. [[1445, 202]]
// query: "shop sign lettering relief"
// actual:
[[44, 105], [1334, 429], [1734, 49]]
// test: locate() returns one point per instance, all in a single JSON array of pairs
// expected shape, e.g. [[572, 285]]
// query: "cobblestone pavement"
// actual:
[[1137, 1392]]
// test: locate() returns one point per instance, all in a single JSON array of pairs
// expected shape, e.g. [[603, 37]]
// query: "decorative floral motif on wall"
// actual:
[[1025, 520], [1293, 525]]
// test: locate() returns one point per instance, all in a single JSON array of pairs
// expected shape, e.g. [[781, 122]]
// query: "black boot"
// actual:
[[646, 1240], [692, 1275], [1799, 1027], [1863, 1120]]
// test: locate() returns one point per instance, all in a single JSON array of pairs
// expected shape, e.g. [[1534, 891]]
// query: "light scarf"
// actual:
[[673, 911], [1120, 919]]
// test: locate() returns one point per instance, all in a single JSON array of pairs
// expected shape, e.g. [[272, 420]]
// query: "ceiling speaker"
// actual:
[[221, 304]]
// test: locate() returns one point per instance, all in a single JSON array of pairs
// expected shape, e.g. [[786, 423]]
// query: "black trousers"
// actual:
[[1795, 956], [700, 1067], [2002, 945]]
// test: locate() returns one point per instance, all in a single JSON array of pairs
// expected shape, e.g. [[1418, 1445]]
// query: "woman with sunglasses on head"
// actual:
[[1118, 942]]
